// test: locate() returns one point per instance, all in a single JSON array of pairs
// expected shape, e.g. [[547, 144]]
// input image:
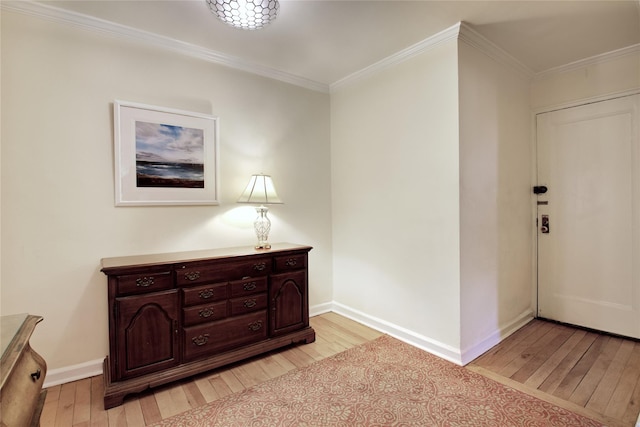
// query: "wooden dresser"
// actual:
[[176, 315], [22, 373]]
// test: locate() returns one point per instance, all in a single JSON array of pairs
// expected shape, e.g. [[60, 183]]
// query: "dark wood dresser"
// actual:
[[175, 315], [22, 372]]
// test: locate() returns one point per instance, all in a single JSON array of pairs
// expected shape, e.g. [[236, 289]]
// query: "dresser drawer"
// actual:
[[142, 283], [210, 338], [204, 294], [292, 262], [248, 286], [205, 313], [248, 304], [187, 274]]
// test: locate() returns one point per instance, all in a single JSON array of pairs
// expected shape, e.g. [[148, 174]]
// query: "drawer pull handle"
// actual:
[[249, 286], [206, 294], [255, 326], [250, 303], [291, 262], [260, 266], [207, 312], [144, 282], [192, 275], [35, 376], [200, 339]]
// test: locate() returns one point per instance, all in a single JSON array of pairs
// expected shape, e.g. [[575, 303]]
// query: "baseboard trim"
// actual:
[[432, 346], [94, 367], [471, 353], [73, 373], [319, 309]]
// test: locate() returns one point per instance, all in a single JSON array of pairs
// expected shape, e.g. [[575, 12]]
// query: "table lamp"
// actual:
[[261, 190]]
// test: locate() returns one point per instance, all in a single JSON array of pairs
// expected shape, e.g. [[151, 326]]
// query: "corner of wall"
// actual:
[[496, 337], [473, 38], [427, 344]]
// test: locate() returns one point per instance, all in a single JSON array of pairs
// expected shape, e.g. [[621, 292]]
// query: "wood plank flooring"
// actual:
[[79, 403], [593, 374], [588, 372]]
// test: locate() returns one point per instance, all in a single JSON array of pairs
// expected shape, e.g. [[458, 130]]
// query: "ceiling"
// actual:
[[327, 40]]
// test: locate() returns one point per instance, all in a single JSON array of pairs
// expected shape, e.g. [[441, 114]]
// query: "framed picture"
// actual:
[[164, 156]]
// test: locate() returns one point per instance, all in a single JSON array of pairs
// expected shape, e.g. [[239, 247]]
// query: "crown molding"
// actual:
[[429, 43], [593, 60], [114, 30], [460, 31], [483, 44]]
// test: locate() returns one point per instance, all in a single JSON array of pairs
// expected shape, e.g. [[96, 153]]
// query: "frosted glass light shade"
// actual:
[[245, 14], [260, 190]]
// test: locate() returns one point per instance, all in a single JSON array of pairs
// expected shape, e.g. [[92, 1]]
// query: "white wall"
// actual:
[[394, 150], [432, 199], [612, 73], [58, 214], [427, 164], [495, 199]]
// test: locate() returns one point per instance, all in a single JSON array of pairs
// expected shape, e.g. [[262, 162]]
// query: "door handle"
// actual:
[[539, 189], [544, 226]]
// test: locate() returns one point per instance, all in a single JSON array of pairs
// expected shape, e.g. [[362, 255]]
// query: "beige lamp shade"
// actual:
[[260, 190]]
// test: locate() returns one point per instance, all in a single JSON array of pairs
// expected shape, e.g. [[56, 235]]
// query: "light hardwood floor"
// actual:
[[591, 373], [79, 403], [580, 370]]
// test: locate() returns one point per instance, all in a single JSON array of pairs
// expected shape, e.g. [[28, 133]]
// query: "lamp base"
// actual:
[[262, 225]]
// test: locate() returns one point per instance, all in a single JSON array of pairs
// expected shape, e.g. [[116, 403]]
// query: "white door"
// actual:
[[589, 254]]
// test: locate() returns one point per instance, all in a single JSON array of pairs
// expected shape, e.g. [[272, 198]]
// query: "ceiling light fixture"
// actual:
[[245, 14]]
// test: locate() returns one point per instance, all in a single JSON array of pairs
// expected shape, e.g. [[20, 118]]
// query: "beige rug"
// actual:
[[381, 383]]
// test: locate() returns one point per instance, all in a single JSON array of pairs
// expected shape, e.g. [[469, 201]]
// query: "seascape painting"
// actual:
[[164, 156], [169, 156]]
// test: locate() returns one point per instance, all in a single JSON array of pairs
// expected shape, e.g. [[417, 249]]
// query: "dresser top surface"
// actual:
[[176, 257], [16, 330], [9, 327]]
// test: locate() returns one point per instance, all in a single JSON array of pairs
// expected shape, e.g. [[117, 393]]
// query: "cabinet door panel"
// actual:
[[289, 302], [147, 333]]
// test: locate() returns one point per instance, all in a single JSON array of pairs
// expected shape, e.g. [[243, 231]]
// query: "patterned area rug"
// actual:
[[381, 383]]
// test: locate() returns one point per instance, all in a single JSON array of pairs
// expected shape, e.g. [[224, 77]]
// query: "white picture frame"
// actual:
[[164, 156]]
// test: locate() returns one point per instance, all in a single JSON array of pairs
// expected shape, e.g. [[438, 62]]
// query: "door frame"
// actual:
[[534, 174]]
